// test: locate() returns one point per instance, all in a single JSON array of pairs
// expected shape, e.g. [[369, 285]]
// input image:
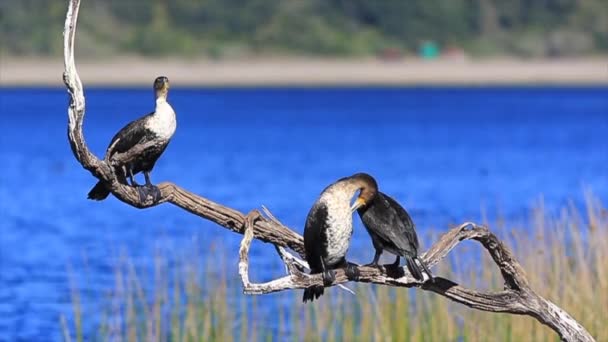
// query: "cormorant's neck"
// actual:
[[163, 108], [161, 99], [161, 95]]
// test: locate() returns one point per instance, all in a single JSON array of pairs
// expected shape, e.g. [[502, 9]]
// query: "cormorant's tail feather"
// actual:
[[417, 267], [99, 192], [312, 293]]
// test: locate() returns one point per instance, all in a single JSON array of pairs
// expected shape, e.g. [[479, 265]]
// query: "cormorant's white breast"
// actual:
[[339, 221], [162, 122]]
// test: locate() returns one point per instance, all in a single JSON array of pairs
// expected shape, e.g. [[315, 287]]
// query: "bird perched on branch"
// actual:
[[145, 139], [329, 227], [392, 229]]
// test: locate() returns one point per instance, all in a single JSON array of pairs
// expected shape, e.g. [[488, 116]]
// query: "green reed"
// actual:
[[564, 256]]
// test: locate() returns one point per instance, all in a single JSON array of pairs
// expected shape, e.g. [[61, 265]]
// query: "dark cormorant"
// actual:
[[392, 229], [329, 226], [154, 129]]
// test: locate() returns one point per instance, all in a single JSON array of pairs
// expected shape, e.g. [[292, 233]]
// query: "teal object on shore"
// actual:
[[429, 50]]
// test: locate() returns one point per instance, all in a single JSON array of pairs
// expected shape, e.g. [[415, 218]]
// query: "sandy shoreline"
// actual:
[[307, 72]]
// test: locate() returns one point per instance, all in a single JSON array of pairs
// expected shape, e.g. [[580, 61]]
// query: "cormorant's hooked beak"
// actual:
[[358, 204]]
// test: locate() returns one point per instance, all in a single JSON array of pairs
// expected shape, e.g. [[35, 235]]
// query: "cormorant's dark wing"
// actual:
[[315, 245], [315, 238], [129, 136], [390, 224], [407, 227]]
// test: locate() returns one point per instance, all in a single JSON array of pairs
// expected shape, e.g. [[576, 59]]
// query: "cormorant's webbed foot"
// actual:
[[352, 272], [154, 191], [329, 276], [143, 193], [148, 190]]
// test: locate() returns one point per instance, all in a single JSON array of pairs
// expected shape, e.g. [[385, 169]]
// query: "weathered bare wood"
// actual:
[[517, 297]]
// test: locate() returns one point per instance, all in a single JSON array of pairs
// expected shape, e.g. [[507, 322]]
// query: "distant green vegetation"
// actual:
[[238, 28], [564, 257]]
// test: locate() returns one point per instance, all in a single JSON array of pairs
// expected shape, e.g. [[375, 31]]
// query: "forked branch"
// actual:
[[516, 298]]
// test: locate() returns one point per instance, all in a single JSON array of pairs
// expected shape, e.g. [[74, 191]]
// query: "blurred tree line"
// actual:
[[235, 28]]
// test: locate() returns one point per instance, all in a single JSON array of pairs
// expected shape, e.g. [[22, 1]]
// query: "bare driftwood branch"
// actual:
[[517, 297]]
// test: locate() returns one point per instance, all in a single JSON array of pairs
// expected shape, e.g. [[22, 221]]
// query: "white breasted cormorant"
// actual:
[[156, 128], [392, 229], [329, 226]]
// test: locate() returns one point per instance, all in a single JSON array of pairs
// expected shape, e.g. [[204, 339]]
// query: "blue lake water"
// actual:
[[445, 153]]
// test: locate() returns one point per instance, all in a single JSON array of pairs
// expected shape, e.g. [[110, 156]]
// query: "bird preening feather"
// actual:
[[329, 227]]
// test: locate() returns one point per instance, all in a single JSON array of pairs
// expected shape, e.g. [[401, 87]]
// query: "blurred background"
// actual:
[[463, 110], [257, 42], [387, 28]]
